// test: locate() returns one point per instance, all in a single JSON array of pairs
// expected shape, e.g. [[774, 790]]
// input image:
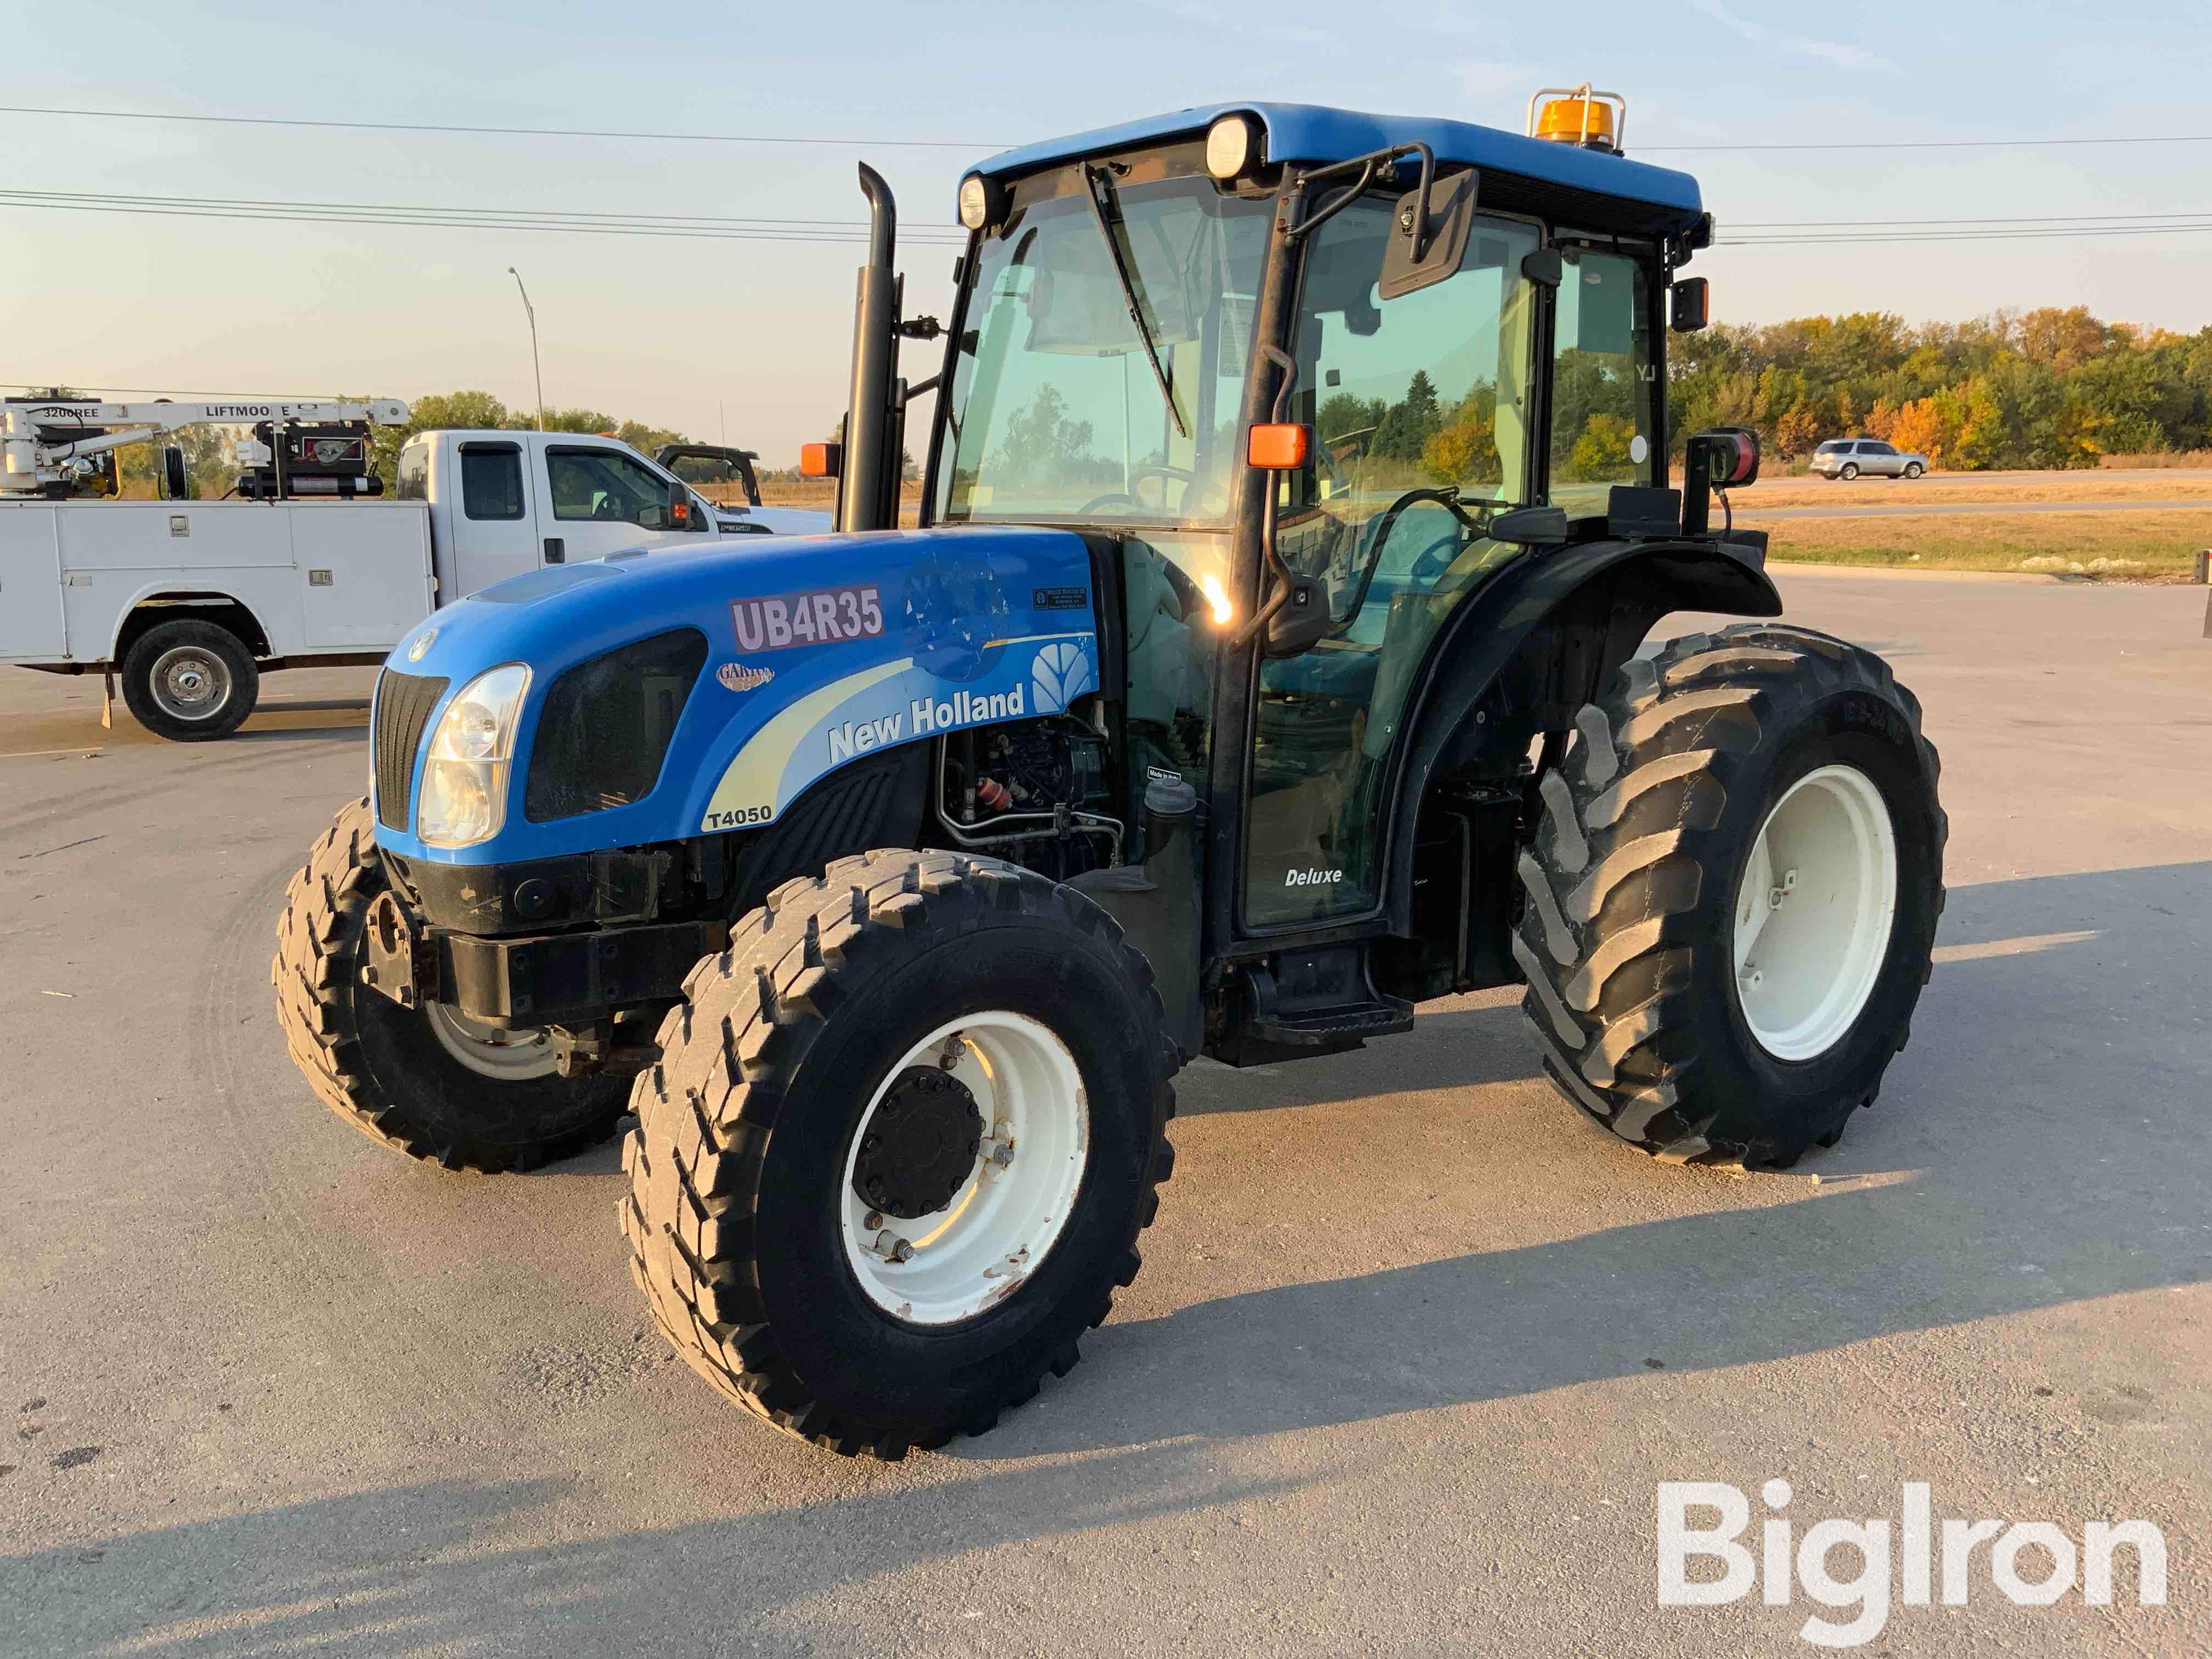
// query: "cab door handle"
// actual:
[[556, 550]]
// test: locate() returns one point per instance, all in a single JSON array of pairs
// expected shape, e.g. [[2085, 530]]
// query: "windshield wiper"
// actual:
[[1107, 211]]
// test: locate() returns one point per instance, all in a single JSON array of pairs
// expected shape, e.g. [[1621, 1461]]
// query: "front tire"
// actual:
[[1732, 893], [1913, 469], [1003, 1015], [189, 681], [426, 1082]]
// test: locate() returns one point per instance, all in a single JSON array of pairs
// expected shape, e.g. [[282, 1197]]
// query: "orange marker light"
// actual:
[[1278, 446], [820, 460]]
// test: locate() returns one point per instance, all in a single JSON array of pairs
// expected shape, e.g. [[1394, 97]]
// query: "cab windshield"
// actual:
[[1056, 413]]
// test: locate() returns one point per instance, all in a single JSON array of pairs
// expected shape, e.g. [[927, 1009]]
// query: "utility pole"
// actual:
[[529, 311]]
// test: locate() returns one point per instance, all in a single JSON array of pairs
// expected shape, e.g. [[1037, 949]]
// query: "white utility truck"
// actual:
[[188, 603]]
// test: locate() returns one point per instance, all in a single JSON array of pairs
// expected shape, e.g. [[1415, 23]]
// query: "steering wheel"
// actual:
[[1432, 563], [1146, 469], [607, 507]]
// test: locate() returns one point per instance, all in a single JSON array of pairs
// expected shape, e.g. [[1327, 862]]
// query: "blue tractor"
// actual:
[[1269, 659]]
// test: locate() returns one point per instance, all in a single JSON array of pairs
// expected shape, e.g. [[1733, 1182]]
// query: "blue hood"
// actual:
[[820, 649]]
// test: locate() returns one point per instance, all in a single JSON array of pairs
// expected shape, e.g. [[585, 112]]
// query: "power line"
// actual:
[[1942, 144], [684, 226], [508, 132], [1779, 233], [2006, 219], [2051, 233], [981, 148]]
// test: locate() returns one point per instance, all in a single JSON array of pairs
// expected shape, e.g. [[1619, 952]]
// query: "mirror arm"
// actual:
[[1367, 165], [1286, 578]]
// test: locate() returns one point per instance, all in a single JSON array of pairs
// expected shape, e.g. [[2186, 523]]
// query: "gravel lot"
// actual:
[[1413, 1344]]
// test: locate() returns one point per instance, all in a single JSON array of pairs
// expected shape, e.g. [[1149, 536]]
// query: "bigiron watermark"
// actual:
[[2032, 1564]]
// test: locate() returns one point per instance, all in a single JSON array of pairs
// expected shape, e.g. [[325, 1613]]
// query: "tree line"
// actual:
[[2054, 387]]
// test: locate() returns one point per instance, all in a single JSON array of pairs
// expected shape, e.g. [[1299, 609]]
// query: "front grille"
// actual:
[[403, 702]]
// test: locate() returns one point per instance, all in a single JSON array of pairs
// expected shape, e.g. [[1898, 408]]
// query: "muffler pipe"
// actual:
[[864, 501]]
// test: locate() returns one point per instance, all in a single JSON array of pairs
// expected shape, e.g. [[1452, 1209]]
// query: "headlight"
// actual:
[[465, 777]]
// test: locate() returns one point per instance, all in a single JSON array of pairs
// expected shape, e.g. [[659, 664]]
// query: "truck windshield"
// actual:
[[1055, 413]]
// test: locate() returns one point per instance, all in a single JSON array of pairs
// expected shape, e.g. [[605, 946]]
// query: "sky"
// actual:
[[750, 341]]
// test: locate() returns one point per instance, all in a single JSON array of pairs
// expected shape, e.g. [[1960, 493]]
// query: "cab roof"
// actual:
[[1647, 199]]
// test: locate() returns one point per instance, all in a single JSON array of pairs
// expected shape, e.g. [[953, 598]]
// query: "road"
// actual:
[[1753, 512], [1412, 1346]]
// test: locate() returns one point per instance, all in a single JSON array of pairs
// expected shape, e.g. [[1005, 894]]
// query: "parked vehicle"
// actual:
[[189, 603], [889, 877], [1849, 457], [716, 470]]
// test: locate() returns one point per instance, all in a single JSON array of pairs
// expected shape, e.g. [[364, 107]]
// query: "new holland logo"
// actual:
[[1061, 673], [742, 677]]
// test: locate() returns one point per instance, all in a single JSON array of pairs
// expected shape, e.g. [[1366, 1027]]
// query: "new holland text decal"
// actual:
[[891, 703]]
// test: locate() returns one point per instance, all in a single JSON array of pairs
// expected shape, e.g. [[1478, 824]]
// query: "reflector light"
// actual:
[[1278, 446]]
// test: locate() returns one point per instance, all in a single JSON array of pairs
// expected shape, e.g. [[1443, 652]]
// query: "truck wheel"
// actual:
[[429, 1082], [1732, 895], [191, 682], [900, 1143]]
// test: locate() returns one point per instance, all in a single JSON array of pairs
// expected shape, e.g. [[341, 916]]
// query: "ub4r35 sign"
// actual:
[[828, 615]]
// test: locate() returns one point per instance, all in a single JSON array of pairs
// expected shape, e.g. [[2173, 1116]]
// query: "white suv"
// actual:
[[1846, 458]]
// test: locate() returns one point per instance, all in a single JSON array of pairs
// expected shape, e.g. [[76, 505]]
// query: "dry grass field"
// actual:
[[2105, 543]]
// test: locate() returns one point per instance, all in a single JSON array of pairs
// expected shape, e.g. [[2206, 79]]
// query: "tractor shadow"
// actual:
[[459, 1565], [2039, 1143]]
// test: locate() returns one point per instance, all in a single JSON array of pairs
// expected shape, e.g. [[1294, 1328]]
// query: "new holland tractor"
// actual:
[[1269, 659]]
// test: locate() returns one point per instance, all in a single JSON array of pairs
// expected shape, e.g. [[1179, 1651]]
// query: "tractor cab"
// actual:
[[1317, 379]]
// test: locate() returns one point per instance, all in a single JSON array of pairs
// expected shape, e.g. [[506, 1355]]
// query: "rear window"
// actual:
[[1832, 448], [413, 484], [491, 482]]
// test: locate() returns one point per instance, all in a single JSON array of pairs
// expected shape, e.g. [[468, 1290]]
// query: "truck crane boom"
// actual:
[[37, 445]]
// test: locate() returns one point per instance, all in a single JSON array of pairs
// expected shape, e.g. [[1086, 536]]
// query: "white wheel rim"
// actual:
[[1813, 912], [488, 1051], [996, 1231]]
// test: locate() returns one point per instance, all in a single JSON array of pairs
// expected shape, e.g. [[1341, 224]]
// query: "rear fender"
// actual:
[[1558, 624]]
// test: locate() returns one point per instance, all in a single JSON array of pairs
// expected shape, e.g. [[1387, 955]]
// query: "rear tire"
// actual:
[[1661, 844], [746, 1160], [189, 681], [1851, 470], [445, 1093]]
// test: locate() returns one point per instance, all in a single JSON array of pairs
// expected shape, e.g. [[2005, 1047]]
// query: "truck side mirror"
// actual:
[[683, 513]]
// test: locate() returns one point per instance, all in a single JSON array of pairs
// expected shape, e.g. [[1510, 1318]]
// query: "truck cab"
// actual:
[[504, 502]]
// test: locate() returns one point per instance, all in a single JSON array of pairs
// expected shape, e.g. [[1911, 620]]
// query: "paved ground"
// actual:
[[1413, 1343]]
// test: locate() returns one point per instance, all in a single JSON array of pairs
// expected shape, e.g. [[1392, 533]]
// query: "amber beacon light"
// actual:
[[1580, 116]]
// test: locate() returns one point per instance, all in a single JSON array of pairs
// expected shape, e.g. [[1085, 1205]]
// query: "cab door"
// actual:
[[494, 524], [1421, 408]]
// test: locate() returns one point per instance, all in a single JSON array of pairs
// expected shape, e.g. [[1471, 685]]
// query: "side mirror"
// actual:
[[1529, 526], [679, 515], [1301, 621], [1690, 308], [175, 486], [1422, 251]]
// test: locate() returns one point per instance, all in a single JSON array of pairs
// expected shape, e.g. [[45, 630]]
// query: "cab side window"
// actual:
[[607, 486], [1604, 381]]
